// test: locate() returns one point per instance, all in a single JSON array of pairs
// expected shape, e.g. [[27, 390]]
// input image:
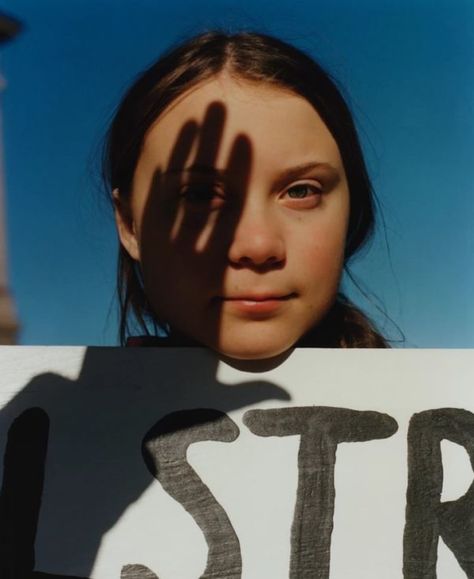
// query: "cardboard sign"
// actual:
[[166, 463]]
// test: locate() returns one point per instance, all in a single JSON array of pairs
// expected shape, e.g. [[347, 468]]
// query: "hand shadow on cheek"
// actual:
[[184, 229]]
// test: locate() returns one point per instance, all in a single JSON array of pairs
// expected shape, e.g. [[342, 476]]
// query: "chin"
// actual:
[[255, 360], [248, 351]]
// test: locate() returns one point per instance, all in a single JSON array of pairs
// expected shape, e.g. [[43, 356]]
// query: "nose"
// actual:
[[258, 240]]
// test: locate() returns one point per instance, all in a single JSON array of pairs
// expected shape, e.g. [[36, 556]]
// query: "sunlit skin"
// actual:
[[238, 216]]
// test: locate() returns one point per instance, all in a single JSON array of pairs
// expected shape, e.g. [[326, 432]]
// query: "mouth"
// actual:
[[255, 305]]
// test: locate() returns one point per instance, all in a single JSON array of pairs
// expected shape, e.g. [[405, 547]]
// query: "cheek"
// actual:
[[175, 270], [319, 250]]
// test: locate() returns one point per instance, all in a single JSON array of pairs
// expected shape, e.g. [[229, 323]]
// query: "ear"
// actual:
[[125, 226]]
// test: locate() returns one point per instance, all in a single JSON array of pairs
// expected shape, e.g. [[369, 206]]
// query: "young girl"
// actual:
[[240, 193]]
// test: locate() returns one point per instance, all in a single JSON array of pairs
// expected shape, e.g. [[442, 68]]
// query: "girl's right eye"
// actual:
[[202, 196]]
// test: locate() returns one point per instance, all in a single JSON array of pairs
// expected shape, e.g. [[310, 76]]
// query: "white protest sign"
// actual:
[[149, 463]]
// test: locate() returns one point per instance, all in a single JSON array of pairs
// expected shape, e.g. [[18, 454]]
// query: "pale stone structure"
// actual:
[[9, 326]]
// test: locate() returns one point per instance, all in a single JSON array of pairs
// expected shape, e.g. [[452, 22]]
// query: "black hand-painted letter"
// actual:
[[321, 430], [137, 572], [427, 518], [20, 497], [164, 450]]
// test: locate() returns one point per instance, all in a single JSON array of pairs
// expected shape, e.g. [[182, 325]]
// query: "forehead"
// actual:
[[278, 123]]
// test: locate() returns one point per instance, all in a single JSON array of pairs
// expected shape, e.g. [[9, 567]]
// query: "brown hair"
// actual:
[[255, 57]]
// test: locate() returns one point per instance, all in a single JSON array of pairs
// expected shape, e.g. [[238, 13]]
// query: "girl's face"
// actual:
[[238, 216]]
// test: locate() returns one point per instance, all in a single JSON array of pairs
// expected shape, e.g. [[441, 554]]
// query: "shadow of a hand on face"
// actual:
[[192, 211]]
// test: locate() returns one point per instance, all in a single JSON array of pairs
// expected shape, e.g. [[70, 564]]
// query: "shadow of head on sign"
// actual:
[[77, 453]]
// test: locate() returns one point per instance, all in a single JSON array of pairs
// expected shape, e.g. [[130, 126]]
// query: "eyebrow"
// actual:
[[201, 169], [286, 175], [300, 170]]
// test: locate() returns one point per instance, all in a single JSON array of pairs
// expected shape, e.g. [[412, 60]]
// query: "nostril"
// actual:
[[271, 262]]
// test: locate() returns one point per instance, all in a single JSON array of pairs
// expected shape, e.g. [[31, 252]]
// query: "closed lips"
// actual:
[[257, 298]]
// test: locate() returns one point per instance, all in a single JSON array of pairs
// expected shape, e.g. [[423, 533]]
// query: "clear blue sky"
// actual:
[[407, 66]]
